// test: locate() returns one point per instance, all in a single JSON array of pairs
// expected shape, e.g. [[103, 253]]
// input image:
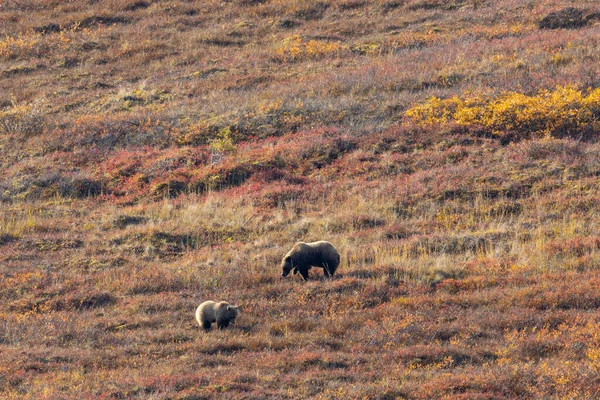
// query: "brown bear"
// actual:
[[303, 256], [222, 313]]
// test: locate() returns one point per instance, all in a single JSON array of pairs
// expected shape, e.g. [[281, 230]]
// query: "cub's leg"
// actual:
[[222, 324]]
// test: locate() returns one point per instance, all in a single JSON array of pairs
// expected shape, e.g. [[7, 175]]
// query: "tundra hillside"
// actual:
[[155, 154]]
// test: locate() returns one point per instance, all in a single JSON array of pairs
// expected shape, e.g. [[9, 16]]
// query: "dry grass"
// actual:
[[159, 154]]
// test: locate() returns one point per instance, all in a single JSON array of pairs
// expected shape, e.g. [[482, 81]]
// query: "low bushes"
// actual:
[[565, 111]]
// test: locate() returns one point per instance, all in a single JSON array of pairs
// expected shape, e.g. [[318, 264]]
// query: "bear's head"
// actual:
[[232, 312], [287, 266], [228, 312]]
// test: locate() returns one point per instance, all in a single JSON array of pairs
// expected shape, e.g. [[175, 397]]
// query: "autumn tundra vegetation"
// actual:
[[155, 154]]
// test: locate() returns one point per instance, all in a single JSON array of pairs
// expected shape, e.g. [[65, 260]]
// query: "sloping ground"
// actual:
[[470, 270], [156, 154], [90, 88]]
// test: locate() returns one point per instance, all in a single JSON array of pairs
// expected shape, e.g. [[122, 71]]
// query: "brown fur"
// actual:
[[303, 256], [222, 313]]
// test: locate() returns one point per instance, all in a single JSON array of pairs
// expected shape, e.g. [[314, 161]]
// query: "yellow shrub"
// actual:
[[19, 45], [471, 110], [434, 111], [512, 111], [562, 112], [295, 48]]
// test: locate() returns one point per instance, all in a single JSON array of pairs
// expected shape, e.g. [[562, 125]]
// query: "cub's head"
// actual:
[[232, 312]]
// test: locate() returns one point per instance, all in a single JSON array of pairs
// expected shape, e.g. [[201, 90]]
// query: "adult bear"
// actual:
[[303, 256]]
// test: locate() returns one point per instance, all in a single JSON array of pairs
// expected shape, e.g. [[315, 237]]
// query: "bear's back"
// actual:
[[322, 246], [220, 307], [324, 252], [206, 311]]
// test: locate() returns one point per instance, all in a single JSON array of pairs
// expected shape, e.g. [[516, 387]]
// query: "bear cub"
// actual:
[[222, 313], [303, 256]]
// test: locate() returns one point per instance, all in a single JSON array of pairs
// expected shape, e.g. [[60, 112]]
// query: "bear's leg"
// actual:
[[326, 270], [333, 268], [206, 325], [304, 273], [222, 324]]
